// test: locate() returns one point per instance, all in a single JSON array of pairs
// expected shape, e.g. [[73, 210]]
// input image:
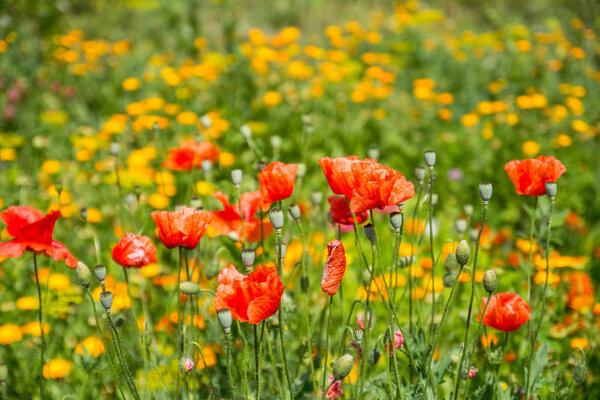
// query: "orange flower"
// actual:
[[191, 155], [581, 291], [228, 220], [340, 211], [335, 266], [277, 181], [183, 227], [530, 176], [506, 312], [134, 251]]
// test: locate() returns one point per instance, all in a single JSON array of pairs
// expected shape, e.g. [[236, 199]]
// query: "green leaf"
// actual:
[[539, 362]]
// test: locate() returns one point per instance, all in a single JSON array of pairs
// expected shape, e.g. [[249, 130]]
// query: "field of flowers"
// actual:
[[389, 200]]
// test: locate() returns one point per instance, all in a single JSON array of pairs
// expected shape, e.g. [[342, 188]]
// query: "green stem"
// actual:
[[245, 354], [477, 333], [126, 373], [414, 232], [43, 349], [367, 317], [430, 200], [212, 386], [280, 315], [229, 374], [497, 372], [179, 349], [324, 374], [274, 366], [257, 360]]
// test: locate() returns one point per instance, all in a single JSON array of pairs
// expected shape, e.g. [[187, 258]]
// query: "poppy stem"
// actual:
[[367, 317], [498, 368], [430, 200], [394, 264], [245, 353], [229, 374], [180, 249], [212, 386], [529, 286], [43, 349], [117, 343], [273, 365], [239, 200], [413, 233], [279, 254], [256, 361], [477, 334], [465, 341], [324, 374]]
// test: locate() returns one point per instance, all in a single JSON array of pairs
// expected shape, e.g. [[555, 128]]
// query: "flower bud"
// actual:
[[106, 299], [472, 372], [224, 318], [580, 373], [196, 202], [115, 149], [420, 174], [100, 272], [396, 221], [205, 122], [430, 158], [206, 166], [449, 278], [463, 252], [403, 262], [248, 256], [490, 281], [58, 185], [460, 225], [373, 357], [450, 264], [137, 191], [261, 165], [84, 275], [373, 152], [342, 367], [189, 288], [294, 211], [370, 233], [551, 189], [358, 334], [468, 209], [233, 236], [276, 217], [485, 191], [246, 132], [83, 213], [185, 364], [317, 198], [236, 177]]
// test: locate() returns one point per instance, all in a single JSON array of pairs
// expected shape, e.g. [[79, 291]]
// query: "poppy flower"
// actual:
[[183, 227], [340, 213], [530, 176], [506, 312], [335, 389], [228, 220], [251, 298], [277, 181], [134, 251], [33, 231], [397, 344], [338, 172], [335, 266], [191, 155]]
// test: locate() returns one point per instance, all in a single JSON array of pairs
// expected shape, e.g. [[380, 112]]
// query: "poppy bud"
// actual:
[[358, 334], [472, 372], [83, 213], [115, 149], [373, 357], [106, 299], [490, 281], [449, 278], [261, 165], [276, 142], [485, 191], [396, 221], [463, 252], [246, 132], [84, 274], [460, 225], [430, 158], [224, 318], [196, 202], [233, 236], [473, 233], [403, 262], [185, 364], [306, 119], [370, 233], [373, 153], [317, 198], [276, 217], [248, 256], [468, 209], [100, 272], [342, 367], [304, 283], [206, 166], [301, 171], [551, 189], [450, 264], [205, 122], [189, 288], [294, 211], [580, 373], [58, 185], [420, 174], [236, 177]]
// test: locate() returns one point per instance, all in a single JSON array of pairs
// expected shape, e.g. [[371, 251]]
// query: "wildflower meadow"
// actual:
[[299, 199]]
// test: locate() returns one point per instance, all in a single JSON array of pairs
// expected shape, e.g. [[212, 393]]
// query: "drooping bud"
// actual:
[[100, 272], [551, 189], [83, 213], [206, 166], [205, 122], [396, 221], [84, 275], [342, 367], [294, 211], [430, 158], [236, 177], [189, 288], [276, 217], [485, 191], [233, 236], [420, 174], [185, 364], [248, 256], [463, 252], [580, 372], [373, 357], [224, 318], [460, 225], [246, 132], [106, 299], [490, 281], [370, 233]]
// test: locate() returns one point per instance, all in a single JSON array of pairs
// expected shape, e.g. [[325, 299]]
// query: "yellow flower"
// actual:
[[94, 215], [92, 345], [579, 342], [27, 303], [150, 271], [131, 84], [562, 140], [8, 154], [575, 105], [226, 159], [468, 120], [531, 148], [10, 333], [379, 114], [57, 368], [444, 114], [33, 328], [187, 118], [158, 201], [58, 281], [272, 98], [204, 188], [512, 119], [523, 45], [579, 126], [51, 167], [209, 357]]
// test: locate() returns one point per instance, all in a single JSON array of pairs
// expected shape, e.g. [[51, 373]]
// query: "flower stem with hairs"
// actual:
[[43, 349], [430, 201], [124, 368], [280, 315], [324, 374]]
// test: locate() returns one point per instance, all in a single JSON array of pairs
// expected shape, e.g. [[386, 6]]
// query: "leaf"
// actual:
[[440, 368], [539, 362]]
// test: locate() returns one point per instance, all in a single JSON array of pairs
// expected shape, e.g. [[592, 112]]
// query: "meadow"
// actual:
[[362, 200]]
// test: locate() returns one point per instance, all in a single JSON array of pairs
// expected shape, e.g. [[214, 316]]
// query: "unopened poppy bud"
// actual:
[[206, 166], [233, 236], [358, 334], [196, 202], [205, 122], [58, 185], [84, 275], [430, 158], [189, 288], [304, 283], [396, 221], [294, 211], [261, 165], [403, 262], [301, 171], [3, 372], [580, 373], [450, 264], [106, 299], [420, 174], [317, 198], [276, 217], [449, 279], [246, 132], [463, 252], [185, 364], [248, 256], [224, 318], [468, 209], [373, 357], [236, 177], [342, 367], [490, 281], [83, 213], [115, 148], [373, 153], [551, 189], [100, 272], [276, 142], [472, 372], [370, 233], [485, 191], [460, 225], [473, 233]]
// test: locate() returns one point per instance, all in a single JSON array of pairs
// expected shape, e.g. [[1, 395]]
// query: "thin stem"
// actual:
[[257, 360], [430, 200], [43, 349], [497, 372], [477, 333], [529, 270], [245, 354], [229, 374], [214, 389], [367, 317], [415, 225], [280, 315], [274, 366], [239, 200], [179, 313], [324, 374], [126, 373]]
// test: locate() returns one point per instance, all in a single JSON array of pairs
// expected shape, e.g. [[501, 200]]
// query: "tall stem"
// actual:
[[324, 374], [477, 332], [280, 315], [257, 360], [229, 374], [414, 226], [430, 200], [126, 373], [43, 349]]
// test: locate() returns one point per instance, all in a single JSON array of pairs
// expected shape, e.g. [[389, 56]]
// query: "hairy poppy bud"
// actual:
[[396, 221], [420, 174], [115, 149], [196, 202], [468, 209], [106, 299], [449, 278], [373, 357], [185, 364], [463, 252], [236, 177], [370, 233], [460, 225], [276, 217], [358, 334], [83, 213], [206, 166], [84, 274], [248, 256], [317, 198], [430, 158], [294, 211], [100, 272], [189, 288], [490, 281], [342, 367], [551, 189], [450, 264], [580, 372], [224, 318], [373, 152], [205, 122], [246, 132], [485, 191]]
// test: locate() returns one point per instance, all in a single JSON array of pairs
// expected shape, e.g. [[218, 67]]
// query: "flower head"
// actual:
[[340, 213], [397, 344], [277, 181], [228, 220], [191, 155], [530, 176], [334, 269], [335, 390], [134, 251], [506, 312], [183, 227]]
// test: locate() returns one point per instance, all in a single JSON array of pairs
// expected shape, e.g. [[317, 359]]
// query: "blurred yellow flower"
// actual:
[[131, 84], [579, 342], [8, 154], [57, 368], [226, 159], [158, 201], [530, 148], [10, 333], [26, 303], [91, 345], [51, 167], [468, 120], [271, 98], [33, 328], [187, 118]]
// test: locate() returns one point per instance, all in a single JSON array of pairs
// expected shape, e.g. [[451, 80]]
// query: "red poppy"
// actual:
[[335, 266], [228, 220], [277, 181], [340, 211], [183, 227], [134, 251], [33, 231], [530, 176], [338, 172], [251, 298], [191, 155], [335, 388], [506, 312]]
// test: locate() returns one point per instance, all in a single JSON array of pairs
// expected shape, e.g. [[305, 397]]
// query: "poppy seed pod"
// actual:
[[490, 281], [370, 233], [84, 275], [342, 367], [294, 211], [420, 174], [83, 213], [206, 166], [463, 252], [196, 202], [224, 318], [358, 334], [205, 121], [468, 209], [317, 198], [551, 189], [246, 132], [430, 158], [485, 191], [189, 288], [276, 142], [100, 272], [115, 148], [276, 217], [106, 299], [460, 225], [248, 256], [236, 177], [156, 127], [396, 221]]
